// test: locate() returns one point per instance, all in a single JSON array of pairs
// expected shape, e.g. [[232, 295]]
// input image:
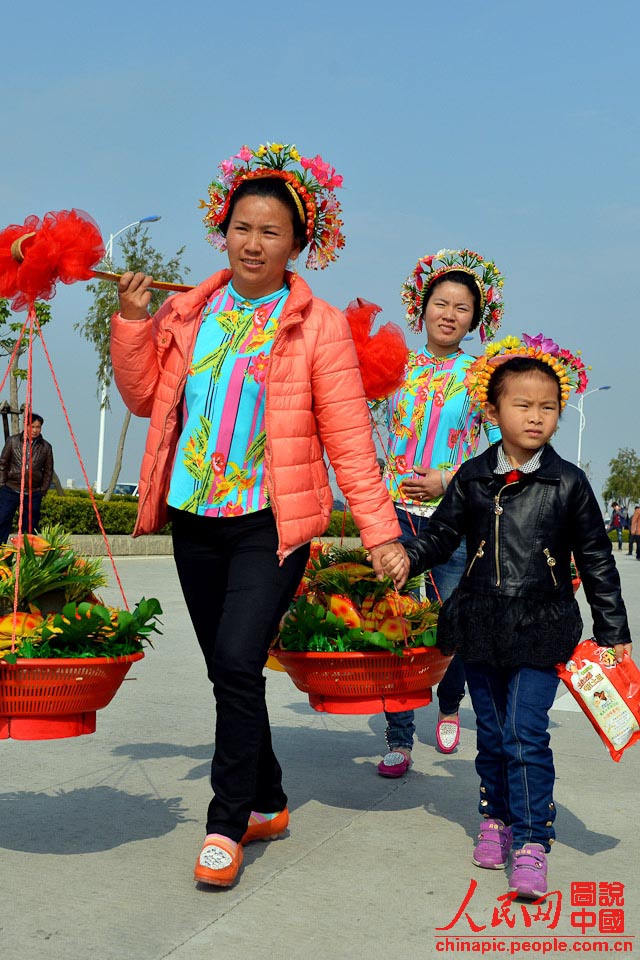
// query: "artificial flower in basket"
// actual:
[[63, 653], [58, 613], [342, 607], [353, 643]]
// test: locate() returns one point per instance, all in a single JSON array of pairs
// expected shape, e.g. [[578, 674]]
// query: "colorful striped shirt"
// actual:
[[219, 466], [432, 421]]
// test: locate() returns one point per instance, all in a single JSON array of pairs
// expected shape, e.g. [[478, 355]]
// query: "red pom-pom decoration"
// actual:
[[383, 356], [35, 255]]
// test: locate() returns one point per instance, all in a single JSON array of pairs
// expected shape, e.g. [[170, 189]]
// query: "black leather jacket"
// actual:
[[520, 538], [41, 464]]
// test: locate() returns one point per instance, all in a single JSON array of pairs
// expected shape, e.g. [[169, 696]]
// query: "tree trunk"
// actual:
[[13, 397], [56, 482], [119, 452]]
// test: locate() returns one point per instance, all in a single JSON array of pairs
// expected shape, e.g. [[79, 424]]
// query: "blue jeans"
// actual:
[[514, 761], [400, 725]]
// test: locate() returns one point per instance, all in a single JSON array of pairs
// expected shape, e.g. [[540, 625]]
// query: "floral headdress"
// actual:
[[569, 369], [312, 190], [485, 273]]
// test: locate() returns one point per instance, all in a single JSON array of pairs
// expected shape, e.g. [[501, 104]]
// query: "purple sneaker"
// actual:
[[529, 871], [493, 846]]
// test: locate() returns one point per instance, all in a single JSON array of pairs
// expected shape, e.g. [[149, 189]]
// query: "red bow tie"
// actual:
[[513, 476]]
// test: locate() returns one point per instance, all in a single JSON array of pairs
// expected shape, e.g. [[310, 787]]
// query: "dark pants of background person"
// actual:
[[634, 538], [9, 504], [400, 725], [236, 593]]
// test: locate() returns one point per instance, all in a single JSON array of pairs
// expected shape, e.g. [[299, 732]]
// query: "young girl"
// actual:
[[524, 512]]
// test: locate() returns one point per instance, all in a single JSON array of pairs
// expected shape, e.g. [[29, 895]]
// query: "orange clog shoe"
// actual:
[[218, 864], [269, 829]]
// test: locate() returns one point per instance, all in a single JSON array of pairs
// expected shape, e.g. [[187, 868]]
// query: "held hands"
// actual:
[[390, 560], [426, 486], [135, 295]]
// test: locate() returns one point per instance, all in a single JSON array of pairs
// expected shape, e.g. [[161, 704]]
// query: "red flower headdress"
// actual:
[[485, 273], [312, 189], [569, 369]]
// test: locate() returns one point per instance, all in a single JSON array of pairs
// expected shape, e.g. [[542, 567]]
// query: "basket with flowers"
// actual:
[[63, 653], [353, 643]]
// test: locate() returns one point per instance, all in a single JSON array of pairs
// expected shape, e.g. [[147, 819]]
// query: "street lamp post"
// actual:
[[108, 256], [581, 423]]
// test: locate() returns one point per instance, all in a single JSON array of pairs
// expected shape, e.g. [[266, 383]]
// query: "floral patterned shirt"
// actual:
[[219, 465], [431, 421]]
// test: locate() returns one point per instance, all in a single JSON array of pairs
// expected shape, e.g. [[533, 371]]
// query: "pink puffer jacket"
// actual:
[[314, 400]]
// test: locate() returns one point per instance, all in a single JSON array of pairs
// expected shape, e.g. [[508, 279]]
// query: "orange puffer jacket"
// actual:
[[314, 400]]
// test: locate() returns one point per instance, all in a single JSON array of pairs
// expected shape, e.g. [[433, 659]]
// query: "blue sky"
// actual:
[[507, 127]]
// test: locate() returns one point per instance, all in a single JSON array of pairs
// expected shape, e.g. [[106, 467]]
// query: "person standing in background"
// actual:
[[38, 473], [634, 532], [433, 428]]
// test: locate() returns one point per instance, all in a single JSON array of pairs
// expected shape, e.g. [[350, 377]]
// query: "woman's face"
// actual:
[[260, 242], [448, 316]]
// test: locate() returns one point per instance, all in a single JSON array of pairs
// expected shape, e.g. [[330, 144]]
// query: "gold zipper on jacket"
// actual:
[[479, 553], [498, 510], [551, 562]]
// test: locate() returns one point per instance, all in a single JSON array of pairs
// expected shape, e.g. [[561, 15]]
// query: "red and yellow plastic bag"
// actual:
[[607, 691]]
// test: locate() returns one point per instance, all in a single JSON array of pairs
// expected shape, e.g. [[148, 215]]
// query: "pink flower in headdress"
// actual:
[[324, 173], [243, 154], [227, 167], [545, 344]]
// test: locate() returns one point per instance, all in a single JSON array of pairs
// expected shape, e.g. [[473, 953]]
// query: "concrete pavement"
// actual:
[[99, 834]]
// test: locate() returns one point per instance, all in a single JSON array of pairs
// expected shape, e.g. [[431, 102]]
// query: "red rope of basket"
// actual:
[[32, 322]]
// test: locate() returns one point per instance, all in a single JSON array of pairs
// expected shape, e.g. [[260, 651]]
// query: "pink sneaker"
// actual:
[[448, 734], [493, 846], [529, 871], [395, 763]]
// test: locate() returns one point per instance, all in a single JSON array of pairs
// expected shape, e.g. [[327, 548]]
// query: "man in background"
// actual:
[[38, 472]]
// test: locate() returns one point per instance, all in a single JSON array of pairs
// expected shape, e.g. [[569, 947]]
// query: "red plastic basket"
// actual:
[[365, 682], [49, 699]]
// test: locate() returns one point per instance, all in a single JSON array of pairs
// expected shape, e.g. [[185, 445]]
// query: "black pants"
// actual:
[[634, 538], [9, 504], [236, 593]]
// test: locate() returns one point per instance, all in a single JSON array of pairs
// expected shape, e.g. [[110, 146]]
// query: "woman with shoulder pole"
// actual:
[[433, 428], [246, 379]]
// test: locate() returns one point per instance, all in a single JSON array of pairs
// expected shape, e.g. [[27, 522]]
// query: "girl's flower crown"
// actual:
[[312, 189], [569, 369], [485, 273]]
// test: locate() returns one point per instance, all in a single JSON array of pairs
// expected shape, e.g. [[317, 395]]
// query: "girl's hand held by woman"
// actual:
[[391, 560]]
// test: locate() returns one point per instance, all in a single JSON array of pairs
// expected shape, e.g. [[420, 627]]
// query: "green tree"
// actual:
[[623, 484], [10, 326], [139, 255]]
